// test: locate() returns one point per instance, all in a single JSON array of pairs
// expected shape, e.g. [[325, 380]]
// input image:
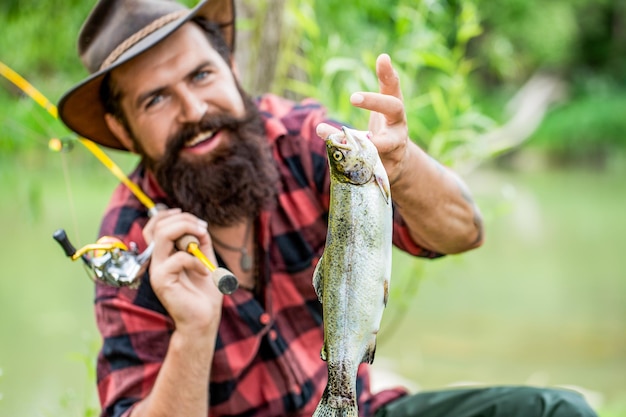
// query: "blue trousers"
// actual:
[[505, 401]]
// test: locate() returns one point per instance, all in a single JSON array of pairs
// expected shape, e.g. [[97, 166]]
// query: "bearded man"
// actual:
[[249, 179]]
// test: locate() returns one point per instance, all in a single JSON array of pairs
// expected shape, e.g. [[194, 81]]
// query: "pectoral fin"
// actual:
[[323, 353], [318, 280], [383, 182], [386, 292], [370, 351]]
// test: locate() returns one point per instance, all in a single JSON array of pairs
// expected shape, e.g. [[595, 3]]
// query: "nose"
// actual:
[[192, 107]]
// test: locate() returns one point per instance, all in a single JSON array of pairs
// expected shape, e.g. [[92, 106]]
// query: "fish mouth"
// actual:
[[343, 140], [351, 139], [200, 138]]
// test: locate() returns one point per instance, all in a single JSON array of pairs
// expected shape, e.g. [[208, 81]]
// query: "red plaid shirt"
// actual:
[[266, 359]]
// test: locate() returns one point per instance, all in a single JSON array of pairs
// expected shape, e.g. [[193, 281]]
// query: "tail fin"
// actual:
[[336, 407]]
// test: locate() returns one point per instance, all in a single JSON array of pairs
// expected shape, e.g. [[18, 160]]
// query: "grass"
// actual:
[[543, 302]]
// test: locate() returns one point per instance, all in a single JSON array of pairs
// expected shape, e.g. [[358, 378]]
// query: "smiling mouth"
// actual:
[[200, 138]]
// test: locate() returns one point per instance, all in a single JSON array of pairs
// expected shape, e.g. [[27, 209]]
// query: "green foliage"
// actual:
[[581, 41], [38, 42], [523, 36], [331, 52], [584, 127], [439, 47], [562, 35], [26, 126]]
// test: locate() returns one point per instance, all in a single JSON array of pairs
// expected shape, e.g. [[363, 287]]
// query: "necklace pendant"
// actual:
[[246, 261]]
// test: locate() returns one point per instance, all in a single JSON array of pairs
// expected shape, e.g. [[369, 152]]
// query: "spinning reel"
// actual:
[[109, 260]]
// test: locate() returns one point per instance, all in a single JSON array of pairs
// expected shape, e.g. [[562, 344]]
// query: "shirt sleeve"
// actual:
[[402, 239], [134, 343], [134, 326]]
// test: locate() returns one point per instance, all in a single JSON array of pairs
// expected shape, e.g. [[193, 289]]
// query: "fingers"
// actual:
[[388, 101], [181, 261], [171, 268], [148, 230], [323, 130], [388, 80], [392, 108], [168, 228], [182, 282]]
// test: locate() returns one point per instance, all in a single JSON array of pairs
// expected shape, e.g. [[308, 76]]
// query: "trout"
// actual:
[[352, 277]]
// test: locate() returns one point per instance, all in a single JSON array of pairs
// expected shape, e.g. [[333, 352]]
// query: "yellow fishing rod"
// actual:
[[114, 263]]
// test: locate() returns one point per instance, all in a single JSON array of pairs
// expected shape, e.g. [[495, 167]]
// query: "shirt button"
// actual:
[[264, 319]]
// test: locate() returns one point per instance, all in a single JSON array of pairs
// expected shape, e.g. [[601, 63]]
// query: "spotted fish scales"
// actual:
[[352, 277]]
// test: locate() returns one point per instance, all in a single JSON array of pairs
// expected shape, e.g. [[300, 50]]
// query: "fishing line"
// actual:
[[68, 190], [20, 129]]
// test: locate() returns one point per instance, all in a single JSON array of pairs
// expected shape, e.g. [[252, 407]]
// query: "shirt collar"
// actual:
[[272, 109]]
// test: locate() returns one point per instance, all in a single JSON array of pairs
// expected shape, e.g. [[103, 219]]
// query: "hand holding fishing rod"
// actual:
[[112, 262], [225, 281]]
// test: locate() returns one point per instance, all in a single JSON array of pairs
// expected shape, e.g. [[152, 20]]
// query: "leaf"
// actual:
[[437, 61], [439, 105]]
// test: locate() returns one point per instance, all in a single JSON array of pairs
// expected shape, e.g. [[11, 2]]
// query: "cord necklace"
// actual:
[[246, 260]]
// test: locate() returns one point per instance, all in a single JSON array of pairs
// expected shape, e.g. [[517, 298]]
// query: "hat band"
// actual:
[[137, 36]]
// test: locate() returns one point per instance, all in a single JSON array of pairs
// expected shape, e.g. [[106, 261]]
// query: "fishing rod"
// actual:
[[111, 261]]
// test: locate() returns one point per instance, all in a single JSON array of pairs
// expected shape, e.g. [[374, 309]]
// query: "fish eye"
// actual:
[[337, 155]]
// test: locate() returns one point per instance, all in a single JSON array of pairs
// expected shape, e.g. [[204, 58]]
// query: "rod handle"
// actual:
[[225, 280], [184, 242]]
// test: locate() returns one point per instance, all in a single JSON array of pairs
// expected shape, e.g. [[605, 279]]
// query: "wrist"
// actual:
[[197, 340], [404, 168]]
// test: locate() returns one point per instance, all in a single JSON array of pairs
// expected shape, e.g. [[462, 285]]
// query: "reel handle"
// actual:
[[61, 237], [70, 251]]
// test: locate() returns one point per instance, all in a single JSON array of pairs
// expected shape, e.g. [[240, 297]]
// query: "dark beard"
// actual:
[[233, 182]]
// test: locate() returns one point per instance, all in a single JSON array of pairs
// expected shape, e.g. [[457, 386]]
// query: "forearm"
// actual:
[[182, 386], [436, 205], [184, 287]]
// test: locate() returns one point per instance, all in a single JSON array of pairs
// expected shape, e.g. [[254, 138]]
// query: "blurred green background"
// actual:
[[525, 98]]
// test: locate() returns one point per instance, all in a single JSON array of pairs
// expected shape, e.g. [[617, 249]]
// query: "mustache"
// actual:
[[215, 122]]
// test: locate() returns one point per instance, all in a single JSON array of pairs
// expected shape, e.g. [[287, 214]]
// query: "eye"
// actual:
[[154, 100], [337, 156], [201, 75]]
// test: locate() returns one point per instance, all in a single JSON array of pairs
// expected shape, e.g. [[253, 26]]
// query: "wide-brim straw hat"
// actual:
[[117, 31]]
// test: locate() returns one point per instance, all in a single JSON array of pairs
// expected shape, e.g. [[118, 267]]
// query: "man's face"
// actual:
[[173, 85], [197, 131]]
